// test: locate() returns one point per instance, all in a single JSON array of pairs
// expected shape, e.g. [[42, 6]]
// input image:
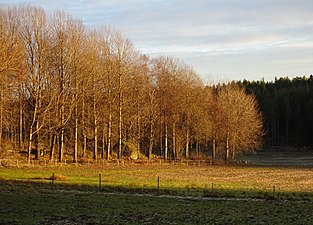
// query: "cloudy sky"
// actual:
[[222, 39]]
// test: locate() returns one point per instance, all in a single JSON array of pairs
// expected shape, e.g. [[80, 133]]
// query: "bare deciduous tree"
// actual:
[[70, 87], [242, 120]]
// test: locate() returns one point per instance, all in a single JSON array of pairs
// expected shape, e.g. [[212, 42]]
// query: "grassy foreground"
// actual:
[[176, 177], [29, 204], [241, 195]]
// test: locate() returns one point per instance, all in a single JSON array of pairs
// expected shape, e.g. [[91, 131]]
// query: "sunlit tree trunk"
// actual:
[[109, 133], [84, 125], [174, 141], [103, 142], [138, 128], [161, 138], [120, 117], [76, 131], [61, 145], [31, 134], [227, 147], [62, 117], [20, 137], [37, 141], [166, 143], [150, 139], [187, 144], [213, 149], [1, 116], [95, 125]]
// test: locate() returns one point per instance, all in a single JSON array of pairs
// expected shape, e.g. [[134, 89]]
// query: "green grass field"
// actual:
[[178, 177], [29, 204], [129, 194]]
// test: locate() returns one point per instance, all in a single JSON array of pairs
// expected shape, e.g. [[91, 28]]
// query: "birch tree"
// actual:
[[12, 66], [123, 55], [65, 55], [35, 36], [243, 122]]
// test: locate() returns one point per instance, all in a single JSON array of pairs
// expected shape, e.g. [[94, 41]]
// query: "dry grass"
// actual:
[[58, 177], [248, 178]]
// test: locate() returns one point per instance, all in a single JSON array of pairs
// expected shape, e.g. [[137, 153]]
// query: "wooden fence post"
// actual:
[[158, 184], [100, 180], [52, 181]]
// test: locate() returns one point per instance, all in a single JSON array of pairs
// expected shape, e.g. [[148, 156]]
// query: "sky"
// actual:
[[222, 40]]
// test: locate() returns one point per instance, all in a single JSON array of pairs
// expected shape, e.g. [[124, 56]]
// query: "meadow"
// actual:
[[153, 193], [32, 205]]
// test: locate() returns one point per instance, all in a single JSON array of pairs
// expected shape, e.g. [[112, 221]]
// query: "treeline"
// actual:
[[287, 107], [76, 93]]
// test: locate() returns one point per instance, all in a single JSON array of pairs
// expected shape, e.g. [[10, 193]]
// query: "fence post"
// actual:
[[100, 179], [212, 187], [158, 184], [52, 181]]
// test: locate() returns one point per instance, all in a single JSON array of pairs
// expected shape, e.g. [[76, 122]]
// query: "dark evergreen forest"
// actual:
[[287, 108]]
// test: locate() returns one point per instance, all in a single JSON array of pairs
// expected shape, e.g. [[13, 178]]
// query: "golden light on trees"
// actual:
[[82, 94], [241, 121]]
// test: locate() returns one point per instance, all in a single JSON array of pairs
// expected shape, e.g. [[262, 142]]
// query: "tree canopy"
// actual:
[[77, 93]]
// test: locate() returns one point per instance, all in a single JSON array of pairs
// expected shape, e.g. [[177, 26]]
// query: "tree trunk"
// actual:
[[233, 154], [174, 141], [1, 116], [76, 122], [30, 142], [187, 144], [20, 136], [109, 134], [150, 140], [227, 148], [161, 139], [37, 142], [165, 143], [103, 142], [138, 130], [120, 118], [95, 128], [109, 131], [213, 149], [52, 144], [31, 133], [61, 147], [76, 133], [83, 125], [62, 114], [61, 142], [95, 154]]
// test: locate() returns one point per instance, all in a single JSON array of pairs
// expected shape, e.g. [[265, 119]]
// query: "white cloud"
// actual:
[[230, 38]]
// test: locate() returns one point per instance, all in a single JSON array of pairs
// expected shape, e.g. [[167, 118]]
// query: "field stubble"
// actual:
[[178, 177], [240, 195]]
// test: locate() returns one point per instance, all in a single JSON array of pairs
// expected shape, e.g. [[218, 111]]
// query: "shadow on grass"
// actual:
[[56, 184], [37, 202]]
